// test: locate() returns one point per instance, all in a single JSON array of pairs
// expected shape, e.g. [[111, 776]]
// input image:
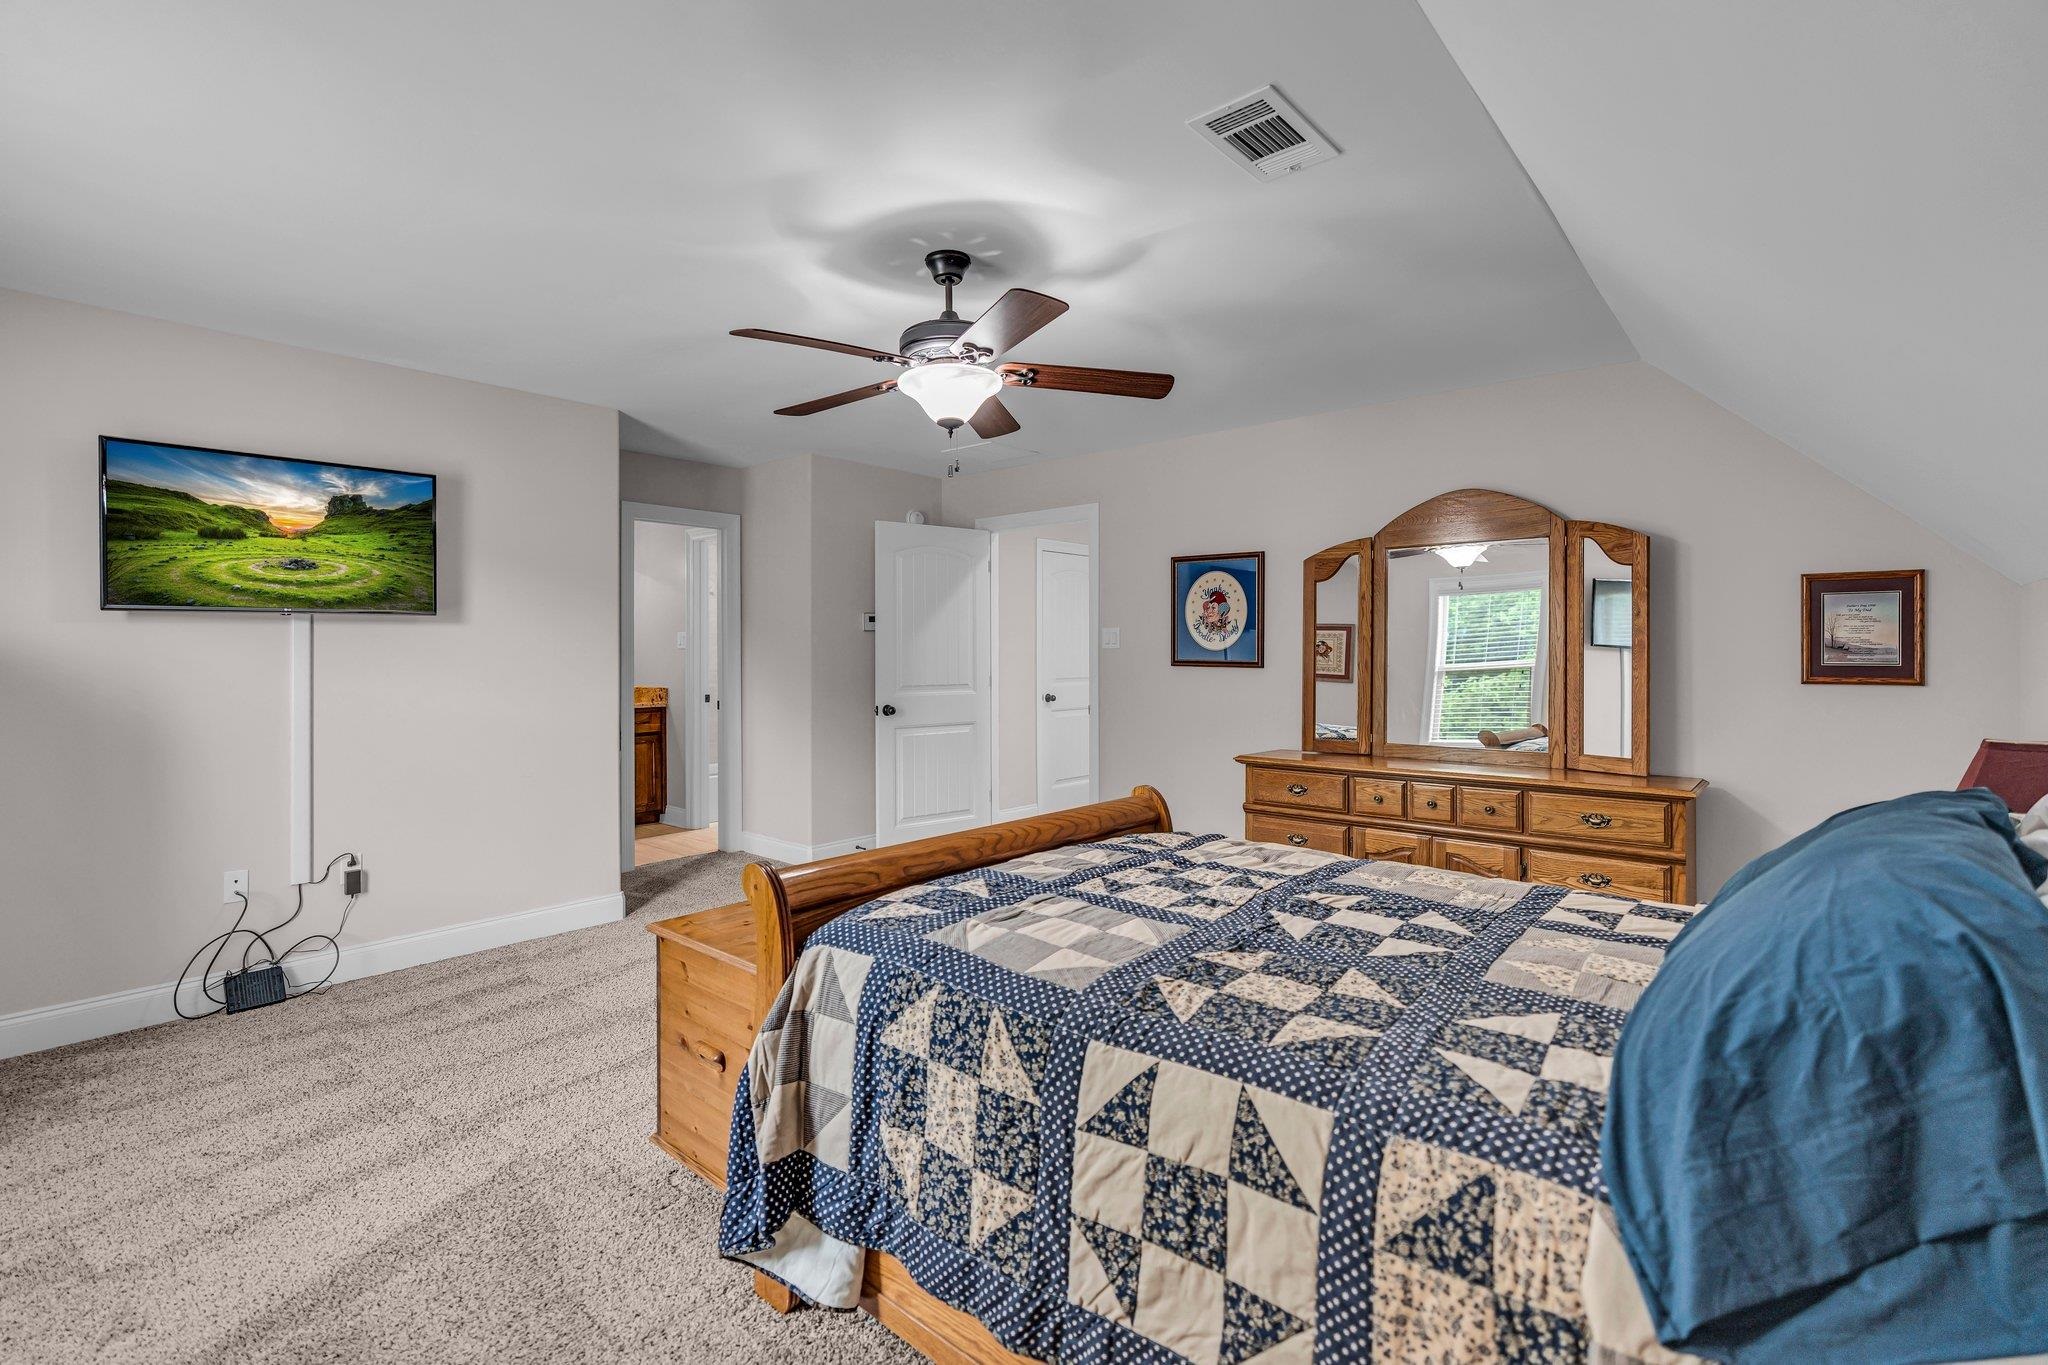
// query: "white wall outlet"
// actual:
[[867, 621], [233, 884], [682, 639], [1112, 637]]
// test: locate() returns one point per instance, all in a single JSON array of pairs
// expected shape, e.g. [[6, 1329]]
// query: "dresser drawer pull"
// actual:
[[1490, 810], [1596, 879], [1296, 789], [1379, 798], [710, 1055], [1596, 820], [1297, 839], [1431, 803]]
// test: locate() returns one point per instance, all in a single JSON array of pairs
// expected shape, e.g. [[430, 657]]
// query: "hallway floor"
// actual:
[[656, 842]]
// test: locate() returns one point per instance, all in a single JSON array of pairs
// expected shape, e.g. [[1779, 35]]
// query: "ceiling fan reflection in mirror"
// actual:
[[949, 365]]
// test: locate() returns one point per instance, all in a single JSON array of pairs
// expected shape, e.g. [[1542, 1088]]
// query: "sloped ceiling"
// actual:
[[581, 199], [1830, 216]]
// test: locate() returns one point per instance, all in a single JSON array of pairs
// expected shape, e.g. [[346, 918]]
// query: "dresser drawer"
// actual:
[[1279, 787], [1479, 858], [1380, 796], [1430, 802], [1608, 819], [1594, 872], [1490, 808], [1390, 846], [1278, 829]]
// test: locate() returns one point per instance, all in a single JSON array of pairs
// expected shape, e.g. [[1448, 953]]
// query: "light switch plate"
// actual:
[[682, 639], [867, 620], [1112, 637]]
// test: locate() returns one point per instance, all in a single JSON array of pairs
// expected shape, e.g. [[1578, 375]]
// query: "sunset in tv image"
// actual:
[[212, 530]]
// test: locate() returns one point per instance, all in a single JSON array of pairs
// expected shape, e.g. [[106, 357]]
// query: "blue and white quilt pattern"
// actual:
[[1180, 1097]]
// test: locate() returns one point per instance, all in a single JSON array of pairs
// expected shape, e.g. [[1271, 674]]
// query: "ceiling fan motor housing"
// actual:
[[929, 340]]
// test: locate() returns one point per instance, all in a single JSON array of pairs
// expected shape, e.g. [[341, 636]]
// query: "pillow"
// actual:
[[1828, 1112]]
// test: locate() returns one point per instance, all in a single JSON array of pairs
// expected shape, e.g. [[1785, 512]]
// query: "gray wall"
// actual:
[[2034, 717], [470, 758], [1734, 517]]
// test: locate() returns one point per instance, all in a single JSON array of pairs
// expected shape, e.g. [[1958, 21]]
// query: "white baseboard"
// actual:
[[77, 1020], [787, 851], [675, 815], [1016, 812]]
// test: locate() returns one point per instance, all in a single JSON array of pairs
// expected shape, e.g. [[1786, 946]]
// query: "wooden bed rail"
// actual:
[[793, 903]]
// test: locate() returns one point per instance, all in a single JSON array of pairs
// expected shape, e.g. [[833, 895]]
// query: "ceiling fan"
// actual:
[[947, 361]]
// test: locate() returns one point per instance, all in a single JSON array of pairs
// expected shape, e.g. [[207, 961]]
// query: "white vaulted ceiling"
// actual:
[[1830, 216], [582, 199]]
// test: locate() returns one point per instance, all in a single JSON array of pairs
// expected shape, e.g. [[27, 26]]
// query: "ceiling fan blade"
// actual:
[[792, 339], [1080, 379], [838, 400], [992, 419], [1010, 319]]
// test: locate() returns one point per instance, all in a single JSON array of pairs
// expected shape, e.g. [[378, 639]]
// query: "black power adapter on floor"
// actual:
[[254, 988]]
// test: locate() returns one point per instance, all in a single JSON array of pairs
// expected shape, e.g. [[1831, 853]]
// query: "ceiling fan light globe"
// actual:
[[1461, 556], [950, 392]]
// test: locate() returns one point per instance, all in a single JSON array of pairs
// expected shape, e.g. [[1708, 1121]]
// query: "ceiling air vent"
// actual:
[[1265, 134]]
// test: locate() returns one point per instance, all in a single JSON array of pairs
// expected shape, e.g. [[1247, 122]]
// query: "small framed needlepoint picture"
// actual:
[[1333, 653], [1863, 627], [1219, 610]]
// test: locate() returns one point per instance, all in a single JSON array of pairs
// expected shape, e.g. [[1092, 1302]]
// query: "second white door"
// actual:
[[1065, 684]]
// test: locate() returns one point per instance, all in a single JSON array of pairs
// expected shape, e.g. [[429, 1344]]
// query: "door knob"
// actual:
[[888, 710], [1050, 697]]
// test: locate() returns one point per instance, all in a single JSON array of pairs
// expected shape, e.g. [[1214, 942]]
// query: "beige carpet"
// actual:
[[445, 1164]]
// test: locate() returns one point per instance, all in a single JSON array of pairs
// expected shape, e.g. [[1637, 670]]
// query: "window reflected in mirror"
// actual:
[[1334, 654], [1467, 645], [1610, 658]]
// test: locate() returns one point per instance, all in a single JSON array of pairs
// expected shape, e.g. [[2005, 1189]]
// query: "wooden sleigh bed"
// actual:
[[720, 970]]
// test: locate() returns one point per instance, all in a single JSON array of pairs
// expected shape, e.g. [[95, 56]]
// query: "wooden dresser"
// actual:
[[1496, 719], [1589, 831]]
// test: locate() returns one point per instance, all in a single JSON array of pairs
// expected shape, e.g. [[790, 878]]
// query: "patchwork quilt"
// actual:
[[1181, 1097]]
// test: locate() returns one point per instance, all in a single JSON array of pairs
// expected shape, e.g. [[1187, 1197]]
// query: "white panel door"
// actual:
[[931, 680], [1065, 664]]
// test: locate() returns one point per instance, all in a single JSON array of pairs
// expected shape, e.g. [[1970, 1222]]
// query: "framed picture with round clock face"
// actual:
[[1219, 610]]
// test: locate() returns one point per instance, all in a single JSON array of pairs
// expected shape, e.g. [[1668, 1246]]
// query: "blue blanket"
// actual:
[[1827, 1132], [1177, 1097]]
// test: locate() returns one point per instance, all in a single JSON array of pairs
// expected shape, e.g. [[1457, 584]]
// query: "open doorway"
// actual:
[[679, 670]]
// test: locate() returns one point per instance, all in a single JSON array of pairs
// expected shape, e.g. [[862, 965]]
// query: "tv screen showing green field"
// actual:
[[186, 528]]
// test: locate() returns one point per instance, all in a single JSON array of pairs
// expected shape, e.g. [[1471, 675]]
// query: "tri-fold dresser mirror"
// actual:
[[1476, 695]]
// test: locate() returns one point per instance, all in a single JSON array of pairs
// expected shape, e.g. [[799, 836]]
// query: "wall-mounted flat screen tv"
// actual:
[[185, 528]]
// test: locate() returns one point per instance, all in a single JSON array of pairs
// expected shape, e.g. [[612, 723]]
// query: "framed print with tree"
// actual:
[[1219, 610], [1333, 653], [1863, 627]]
